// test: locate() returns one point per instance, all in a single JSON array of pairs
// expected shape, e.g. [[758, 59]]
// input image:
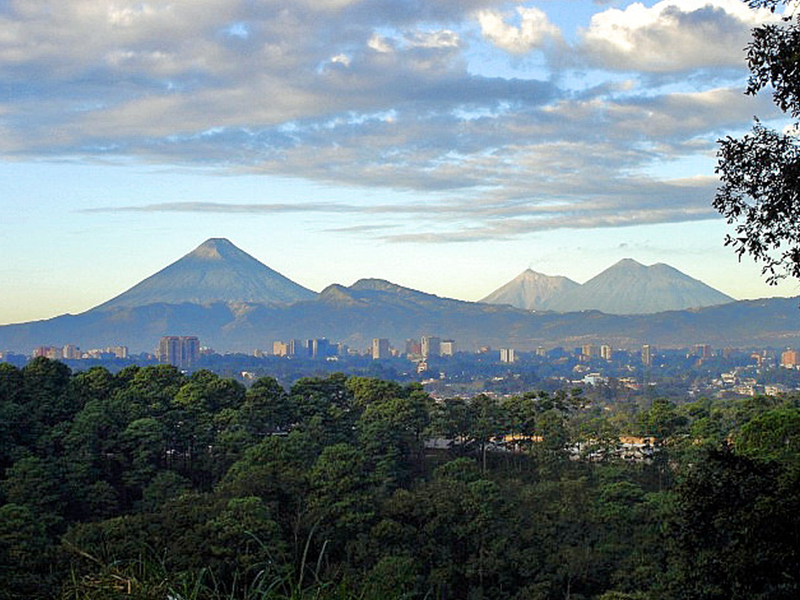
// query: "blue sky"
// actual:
[[444, 145]]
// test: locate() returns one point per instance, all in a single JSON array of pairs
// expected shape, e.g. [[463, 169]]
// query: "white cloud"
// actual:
[[380, 44], [342, 59], [433, 39], [262, 87], [672, 35], [534, 30]]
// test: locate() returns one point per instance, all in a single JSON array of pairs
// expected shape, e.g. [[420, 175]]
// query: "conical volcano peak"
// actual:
[[628, 263], [215, 249], [215, 271], [530, 290]]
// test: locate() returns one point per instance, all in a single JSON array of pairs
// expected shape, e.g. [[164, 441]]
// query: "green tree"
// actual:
[[733, 535], [15, 422], [391, 433], [26, 558], [341, 498], [760, 172], [267, 409], [772, 436], [325, 408], [38, 485], [45, 384]]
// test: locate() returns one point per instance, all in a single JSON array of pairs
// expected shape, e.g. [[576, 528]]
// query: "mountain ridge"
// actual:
[[406, 313], [376, 308], [626, 287]]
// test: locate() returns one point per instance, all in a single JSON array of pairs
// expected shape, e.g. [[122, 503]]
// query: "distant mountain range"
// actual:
[[213, 296], [625, 288]]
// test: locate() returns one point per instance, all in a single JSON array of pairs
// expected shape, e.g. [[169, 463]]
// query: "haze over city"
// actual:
[[445, 146]]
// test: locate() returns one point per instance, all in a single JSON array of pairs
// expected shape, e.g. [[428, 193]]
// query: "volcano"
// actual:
[[215, 271]]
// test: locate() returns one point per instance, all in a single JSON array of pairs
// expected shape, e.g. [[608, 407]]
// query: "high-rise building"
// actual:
[[320, 348], [605, 352], [588, 351], [448, 347], [118, 351], [180, 351], [702, 350], [413, 348], [430, 346], [790, 359], [647, 355], [508, 355], [380, 348], [71, 352], [295, 348]]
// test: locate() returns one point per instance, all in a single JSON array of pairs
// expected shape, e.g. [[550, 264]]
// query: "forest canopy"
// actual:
[[150, 483]]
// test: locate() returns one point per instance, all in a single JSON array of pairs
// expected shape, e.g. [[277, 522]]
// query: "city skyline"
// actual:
[[445, 147]]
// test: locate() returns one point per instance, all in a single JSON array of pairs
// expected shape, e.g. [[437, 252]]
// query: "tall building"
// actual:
[[380, 348], [448, 347], [51, 352], [647, 355], [71, 352], [295, 348], [588, 351], [605, 352], [790, 359], [180, 351], [430, 346], [118, 351], [320, 348], [508, 355], [702, 350], [413, 347]]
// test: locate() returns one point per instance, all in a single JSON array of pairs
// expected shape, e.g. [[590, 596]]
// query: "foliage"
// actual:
[[760, 172], [153, 484]]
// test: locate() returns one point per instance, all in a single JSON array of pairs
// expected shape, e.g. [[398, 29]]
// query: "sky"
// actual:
[[444, 145]]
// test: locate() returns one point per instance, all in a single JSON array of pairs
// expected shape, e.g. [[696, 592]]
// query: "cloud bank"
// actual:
[[389, 94]]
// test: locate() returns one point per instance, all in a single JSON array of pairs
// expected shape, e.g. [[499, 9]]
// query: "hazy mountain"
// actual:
[[235, 303], [630, 288], [215, 271], [374, 308], [531, 290]]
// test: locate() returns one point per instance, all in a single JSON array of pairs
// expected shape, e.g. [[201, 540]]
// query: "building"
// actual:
[[280, 348], [71, 352], [118, 351], [413, 348], [448, 347], [790, 359], [430, 346], [605, 352], [702, 350], [51, 352], [180, 351], [380, 349], [508, 355], [647, 355], [295, 348], [321, 348], [588, 351]]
